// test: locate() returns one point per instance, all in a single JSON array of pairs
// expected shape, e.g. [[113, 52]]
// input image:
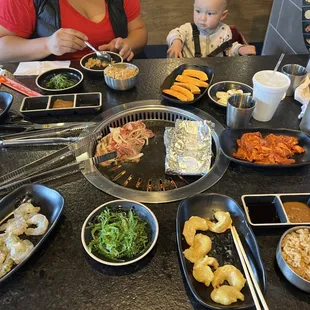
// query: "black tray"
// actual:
[[43, 105], [223, 248], [51, 204], [228, 142], [170, 79]]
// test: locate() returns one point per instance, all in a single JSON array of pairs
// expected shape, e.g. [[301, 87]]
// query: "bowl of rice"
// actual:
[[293, 256], [121, 76]]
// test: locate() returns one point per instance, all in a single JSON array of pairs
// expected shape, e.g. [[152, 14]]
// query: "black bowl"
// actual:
[[74, 74], [125, 205], [6, 100], [98, 72], [225, 86]]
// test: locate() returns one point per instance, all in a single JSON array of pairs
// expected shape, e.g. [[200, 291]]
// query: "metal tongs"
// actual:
[[32, 173]]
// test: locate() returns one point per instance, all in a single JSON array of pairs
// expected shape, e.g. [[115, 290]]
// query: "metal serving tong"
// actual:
[[42, 130], [33, 171]]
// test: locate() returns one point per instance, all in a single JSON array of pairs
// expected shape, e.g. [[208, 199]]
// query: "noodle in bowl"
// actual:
[[121, 76]]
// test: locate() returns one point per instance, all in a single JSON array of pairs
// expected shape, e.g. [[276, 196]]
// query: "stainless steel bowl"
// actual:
[[225, 86], [122, 84], [289, 274]]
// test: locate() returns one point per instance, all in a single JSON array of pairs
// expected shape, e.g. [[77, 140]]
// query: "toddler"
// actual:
[[208, 36]]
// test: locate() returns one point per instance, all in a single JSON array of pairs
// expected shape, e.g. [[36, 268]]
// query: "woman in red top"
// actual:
[[80, 20]]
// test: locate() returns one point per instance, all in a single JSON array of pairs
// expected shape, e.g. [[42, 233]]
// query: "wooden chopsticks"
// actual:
[[253, 285]]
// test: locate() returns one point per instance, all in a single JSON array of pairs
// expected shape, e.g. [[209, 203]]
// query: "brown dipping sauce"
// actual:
[[297, 212], [60, 104]]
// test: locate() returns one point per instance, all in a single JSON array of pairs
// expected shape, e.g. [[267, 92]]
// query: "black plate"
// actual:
[[223, 248], [51, 204], [170, 79], [6, 100], [228, 142]]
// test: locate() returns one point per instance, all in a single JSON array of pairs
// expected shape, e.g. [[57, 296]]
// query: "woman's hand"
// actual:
[[175, 50], [65, 41], [247, 50], [118, 45]]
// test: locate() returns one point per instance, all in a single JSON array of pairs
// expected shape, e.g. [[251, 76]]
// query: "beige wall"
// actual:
[[160, 16]]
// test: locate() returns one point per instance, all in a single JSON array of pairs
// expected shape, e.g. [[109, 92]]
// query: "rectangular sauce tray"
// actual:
[[277, 209], [45, 105]]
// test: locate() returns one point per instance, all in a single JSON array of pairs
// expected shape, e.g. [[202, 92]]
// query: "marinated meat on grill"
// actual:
[[128, 141], [272, 149]]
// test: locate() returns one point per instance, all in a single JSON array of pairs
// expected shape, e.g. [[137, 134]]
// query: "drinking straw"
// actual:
[[278, 63]]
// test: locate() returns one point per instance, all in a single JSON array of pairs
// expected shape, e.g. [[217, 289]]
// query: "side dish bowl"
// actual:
[[121, 205], [6, 100], [289, 274], [75, 76], [97, 72], [224, 86], [122, 83]]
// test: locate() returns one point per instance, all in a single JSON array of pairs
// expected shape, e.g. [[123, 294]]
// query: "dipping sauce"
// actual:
[[263, 212], [297, 212], [60, 104]]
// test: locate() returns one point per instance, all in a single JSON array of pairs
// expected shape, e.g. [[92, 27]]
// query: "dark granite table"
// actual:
[[60, 276]]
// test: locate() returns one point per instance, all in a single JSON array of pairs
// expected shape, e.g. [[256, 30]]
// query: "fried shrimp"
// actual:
[[201, 246], [224, 222], [230, 274], [226, 295], [40, 221], [191, 226], [202, 272]]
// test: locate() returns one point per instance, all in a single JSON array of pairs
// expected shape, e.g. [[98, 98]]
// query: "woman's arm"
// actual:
[[16, 48], [137, 35], [133, 44]]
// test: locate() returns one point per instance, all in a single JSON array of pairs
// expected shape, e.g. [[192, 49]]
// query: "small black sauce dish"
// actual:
[[71, 73]]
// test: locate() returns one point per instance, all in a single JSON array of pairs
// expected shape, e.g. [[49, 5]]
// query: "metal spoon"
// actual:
[[101, 55]]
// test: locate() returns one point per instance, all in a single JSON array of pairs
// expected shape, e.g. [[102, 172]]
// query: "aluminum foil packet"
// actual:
[[188, 148]]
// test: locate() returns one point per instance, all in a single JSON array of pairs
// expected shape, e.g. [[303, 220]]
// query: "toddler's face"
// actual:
[[208, 13]]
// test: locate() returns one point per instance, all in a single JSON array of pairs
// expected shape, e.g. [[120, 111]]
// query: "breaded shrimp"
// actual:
[[201, 246], [224, 222], [40, 221], [202, 272], [191, 226], [228, 273], [226, 295]]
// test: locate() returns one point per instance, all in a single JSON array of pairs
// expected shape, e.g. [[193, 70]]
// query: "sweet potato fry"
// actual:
[[187, 79], [202, 76], [175, 94], [184, 91], [193, 88]]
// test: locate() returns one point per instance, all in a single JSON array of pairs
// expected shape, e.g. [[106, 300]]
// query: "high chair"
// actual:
[[237, 36]]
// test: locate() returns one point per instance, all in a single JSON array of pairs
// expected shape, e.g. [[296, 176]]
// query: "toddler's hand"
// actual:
[[175, 50], [118, 45], [65, 41], [247, 50]]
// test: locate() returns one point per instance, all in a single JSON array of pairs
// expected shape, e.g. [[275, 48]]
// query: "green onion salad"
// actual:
[[61, 81], [119, 234]]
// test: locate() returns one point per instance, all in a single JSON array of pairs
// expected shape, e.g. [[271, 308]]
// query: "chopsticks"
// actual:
[[253, 285]]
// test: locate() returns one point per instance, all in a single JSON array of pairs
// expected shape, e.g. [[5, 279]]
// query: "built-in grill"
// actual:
[[146, 181]]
